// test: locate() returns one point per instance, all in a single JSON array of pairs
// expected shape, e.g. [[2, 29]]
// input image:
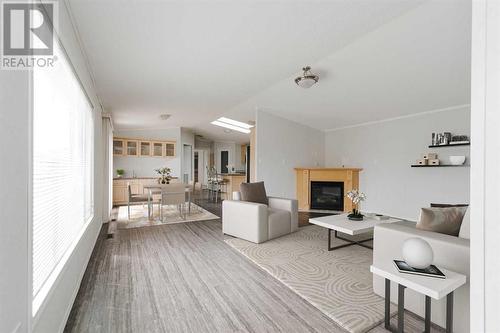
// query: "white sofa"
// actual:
[[449, 252], [257, 222]]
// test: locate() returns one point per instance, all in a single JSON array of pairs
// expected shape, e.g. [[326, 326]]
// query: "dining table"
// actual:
[[157, 188]]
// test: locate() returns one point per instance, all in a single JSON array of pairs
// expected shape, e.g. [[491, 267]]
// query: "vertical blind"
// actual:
[[62, 169]]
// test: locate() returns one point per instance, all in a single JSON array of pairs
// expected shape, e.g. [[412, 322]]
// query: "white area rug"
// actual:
[[139, 216], [338, 283]]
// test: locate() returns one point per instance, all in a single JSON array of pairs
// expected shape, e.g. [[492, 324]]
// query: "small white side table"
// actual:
[[428, 286]]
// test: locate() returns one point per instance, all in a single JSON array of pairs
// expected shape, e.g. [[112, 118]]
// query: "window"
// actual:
[[62, 170]]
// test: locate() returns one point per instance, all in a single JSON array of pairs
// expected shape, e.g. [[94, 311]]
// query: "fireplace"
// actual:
[[327, 195]]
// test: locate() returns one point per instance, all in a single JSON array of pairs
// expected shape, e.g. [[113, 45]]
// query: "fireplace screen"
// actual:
[[327, 195]]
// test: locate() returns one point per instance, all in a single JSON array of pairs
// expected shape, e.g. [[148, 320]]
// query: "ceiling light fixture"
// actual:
[[232, 124], [308, 79], [164, 116]]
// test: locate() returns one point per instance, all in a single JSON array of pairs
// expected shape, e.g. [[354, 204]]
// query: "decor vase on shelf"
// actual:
[[356, 197], [164, 175]]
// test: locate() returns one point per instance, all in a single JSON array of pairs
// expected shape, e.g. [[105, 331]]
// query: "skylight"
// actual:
[[232, 124]]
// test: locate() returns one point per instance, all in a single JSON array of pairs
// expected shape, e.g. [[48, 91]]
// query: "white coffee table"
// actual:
[[340, 223], [428, 286]]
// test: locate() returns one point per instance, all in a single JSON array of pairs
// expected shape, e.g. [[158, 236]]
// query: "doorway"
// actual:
[[224, 160], [200, 166], [187, 165]]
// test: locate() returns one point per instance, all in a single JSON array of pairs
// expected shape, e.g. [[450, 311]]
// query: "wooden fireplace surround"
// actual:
[[304, 177]]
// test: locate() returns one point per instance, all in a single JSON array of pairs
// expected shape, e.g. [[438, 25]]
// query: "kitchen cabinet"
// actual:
[[143, 147], [169, 149], [120, 188], [118, 147], [132, 149], [158, 150], [243, 154]]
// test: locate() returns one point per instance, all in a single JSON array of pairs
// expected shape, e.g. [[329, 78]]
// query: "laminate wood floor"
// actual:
[[184, 278]]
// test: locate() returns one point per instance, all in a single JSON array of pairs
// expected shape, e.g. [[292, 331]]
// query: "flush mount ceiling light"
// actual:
[[308, 79], [232, 124], [164, 116]]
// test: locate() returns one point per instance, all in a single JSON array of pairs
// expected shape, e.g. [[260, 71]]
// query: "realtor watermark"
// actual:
[[27, 38]]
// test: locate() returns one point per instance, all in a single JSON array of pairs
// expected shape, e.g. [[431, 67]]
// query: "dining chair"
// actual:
[[220, 187], [134, 198], [173, 194], [191, 191], [211, 181]]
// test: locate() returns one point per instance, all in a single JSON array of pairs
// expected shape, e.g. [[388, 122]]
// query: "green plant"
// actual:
[[120, 172]]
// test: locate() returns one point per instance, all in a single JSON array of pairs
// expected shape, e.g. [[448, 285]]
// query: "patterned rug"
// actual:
[[171, 215], [338, 283]]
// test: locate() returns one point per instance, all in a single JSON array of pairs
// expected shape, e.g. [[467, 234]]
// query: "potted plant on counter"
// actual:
[[120, 173], [356, 197], [164, 175]]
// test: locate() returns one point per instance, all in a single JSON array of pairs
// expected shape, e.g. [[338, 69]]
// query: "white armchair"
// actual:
[[257, 222]]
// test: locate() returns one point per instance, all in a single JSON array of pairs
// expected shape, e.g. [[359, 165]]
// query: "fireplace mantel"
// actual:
[[304, 177]]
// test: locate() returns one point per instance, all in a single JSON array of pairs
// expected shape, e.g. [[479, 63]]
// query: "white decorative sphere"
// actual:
[[417, 253]]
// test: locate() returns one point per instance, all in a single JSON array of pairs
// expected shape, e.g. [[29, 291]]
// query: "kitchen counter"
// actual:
[[131, 178], [233, 182]]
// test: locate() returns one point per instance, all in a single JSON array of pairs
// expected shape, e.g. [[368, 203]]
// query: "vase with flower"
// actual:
[[356, 197], [164, 174]]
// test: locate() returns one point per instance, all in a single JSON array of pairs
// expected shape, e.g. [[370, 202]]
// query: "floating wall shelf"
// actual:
[[455, 145]]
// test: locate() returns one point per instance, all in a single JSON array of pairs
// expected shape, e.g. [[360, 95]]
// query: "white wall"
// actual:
[[485, 171], [145, 166], [15, 116], [187, 156], [281, 146], [385, 151]]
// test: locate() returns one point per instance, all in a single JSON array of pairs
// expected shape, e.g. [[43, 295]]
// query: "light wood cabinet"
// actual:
[[233, 183], [118, 147], [157, 149], [120, 188], [132, 149], [243, 154], [143, 147], [119, 192], [169, 149]]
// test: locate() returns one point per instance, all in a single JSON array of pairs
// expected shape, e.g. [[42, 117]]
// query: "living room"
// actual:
[[253, 166]]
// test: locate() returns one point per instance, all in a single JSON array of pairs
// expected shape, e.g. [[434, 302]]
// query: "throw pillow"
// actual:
[[465, 228], [254, 192], [445, 220]]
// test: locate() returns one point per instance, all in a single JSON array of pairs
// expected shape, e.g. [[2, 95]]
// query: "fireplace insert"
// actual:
[[327, 195]]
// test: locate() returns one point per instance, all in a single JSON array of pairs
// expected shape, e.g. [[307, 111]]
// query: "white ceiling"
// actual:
[[199, 60]]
